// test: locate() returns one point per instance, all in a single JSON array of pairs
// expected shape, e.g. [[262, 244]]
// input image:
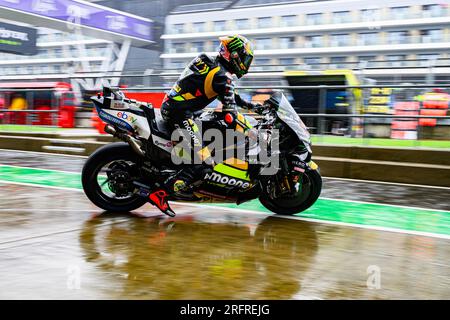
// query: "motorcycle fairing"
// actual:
[[127, 119], [209, 197], [231, 175], [109, 116], [313, 165], [162, 143], [289, 117], [232, 171]]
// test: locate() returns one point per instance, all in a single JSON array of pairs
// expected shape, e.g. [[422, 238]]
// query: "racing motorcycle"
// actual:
[[119, 176]]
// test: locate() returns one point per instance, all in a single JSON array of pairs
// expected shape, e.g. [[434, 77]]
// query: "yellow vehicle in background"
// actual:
[[327, 101]]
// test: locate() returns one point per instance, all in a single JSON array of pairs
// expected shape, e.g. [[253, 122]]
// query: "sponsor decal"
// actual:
[[83, 13], [44, 5], [127, 117], [216, 177], [163, 144], [120, 105], [17, 39], [116, 23], [191, 132], [108, 118]]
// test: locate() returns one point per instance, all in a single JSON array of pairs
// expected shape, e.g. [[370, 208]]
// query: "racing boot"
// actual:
[[159, 199]]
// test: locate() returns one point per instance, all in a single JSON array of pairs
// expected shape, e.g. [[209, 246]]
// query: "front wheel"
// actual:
[[108, 175], [300, 201]]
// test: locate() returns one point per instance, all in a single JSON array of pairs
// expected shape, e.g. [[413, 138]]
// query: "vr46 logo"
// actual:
[[125, 116]]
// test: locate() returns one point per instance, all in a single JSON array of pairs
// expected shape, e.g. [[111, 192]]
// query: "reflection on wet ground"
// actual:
[[55, 244], [42, 160]]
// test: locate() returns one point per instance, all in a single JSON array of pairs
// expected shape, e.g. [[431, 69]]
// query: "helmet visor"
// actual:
[[247, 61]]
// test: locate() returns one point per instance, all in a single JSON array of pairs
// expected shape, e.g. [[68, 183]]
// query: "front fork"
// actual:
[[289, 181]]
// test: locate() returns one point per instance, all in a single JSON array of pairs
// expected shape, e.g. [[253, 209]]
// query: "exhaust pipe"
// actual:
[[134, 143], [110, 129]]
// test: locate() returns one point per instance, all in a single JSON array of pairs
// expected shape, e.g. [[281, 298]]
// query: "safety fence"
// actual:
[[30, 117], [401, 111]]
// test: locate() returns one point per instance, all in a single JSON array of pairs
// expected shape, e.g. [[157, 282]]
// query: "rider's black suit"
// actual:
[[202, 81]]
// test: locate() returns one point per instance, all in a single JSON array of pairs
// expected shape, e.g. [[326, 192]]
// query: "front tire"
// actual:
[[289, 205], [101, 157]]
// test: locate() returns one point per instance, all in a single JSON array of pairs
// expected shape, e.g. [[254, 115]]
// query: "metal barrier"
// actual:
[[29, 117], [321, 117]]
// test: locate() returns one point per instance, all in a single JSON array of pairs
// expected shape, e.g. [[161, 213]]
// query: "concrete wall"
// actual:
[[401, 165]]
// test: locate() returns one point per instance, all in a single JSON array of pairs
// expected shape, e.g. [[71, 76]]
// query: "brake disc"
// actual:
[[119, 178]]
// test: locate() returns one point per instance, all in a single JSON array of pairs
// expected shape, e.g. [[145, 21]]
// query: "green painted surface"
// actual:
[[380, 142], [40, 177], [369, 214], [25, 128], [330, 210]]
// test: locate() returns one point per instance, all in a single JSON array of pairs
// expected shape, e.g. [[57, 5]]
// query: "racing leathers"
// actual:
[[202, 81]]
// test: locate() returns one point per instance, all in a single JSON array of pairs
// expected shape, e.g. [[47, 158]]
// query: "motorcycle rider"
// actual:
[[205, 79]]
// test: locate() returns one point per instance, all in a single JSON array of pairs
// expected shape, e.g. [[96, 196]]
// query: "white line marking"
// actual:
[[389, 183], [345, 224], [62, 148]]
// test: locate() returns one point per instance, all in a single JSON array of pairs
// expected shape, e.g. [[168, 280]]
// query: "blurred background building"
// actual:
[[312, 43], [58, 51], [384, 39]]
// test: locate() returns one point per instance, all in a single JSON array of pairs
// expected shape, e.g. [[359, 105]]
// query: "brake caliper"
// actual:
[[119, 178]]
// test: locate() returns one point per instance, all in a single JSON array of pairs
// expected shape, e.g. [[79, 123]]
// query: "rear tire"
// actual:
[[91, 187], [287, 205]]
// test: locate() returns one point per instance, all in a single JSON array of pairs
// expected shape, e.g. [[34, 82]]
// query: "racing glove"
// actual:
[[257, 108]]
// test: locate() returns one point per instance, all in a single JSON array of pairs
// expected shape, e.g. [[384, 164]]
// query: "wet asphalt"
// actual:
[[54, 244]]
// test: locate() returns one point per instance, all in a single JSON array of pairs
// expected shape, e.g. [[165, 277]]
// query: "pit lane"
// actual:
[[56, 245]]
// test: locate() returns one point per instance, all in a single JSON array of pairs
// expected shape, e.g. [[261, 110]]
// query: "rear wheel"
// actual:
[[108, 175], [300, 201]]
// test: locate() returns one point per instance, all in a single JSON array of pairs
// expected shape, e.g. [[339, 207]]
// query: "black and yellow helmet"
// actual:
[[237, 51]]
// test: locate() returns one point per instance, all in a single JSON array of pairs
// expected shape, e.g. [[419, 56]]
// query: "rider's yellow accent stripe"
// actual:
[[204, 70], [239, 128], [243, 122], [178, 98], [188, 96], [209, 91]]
